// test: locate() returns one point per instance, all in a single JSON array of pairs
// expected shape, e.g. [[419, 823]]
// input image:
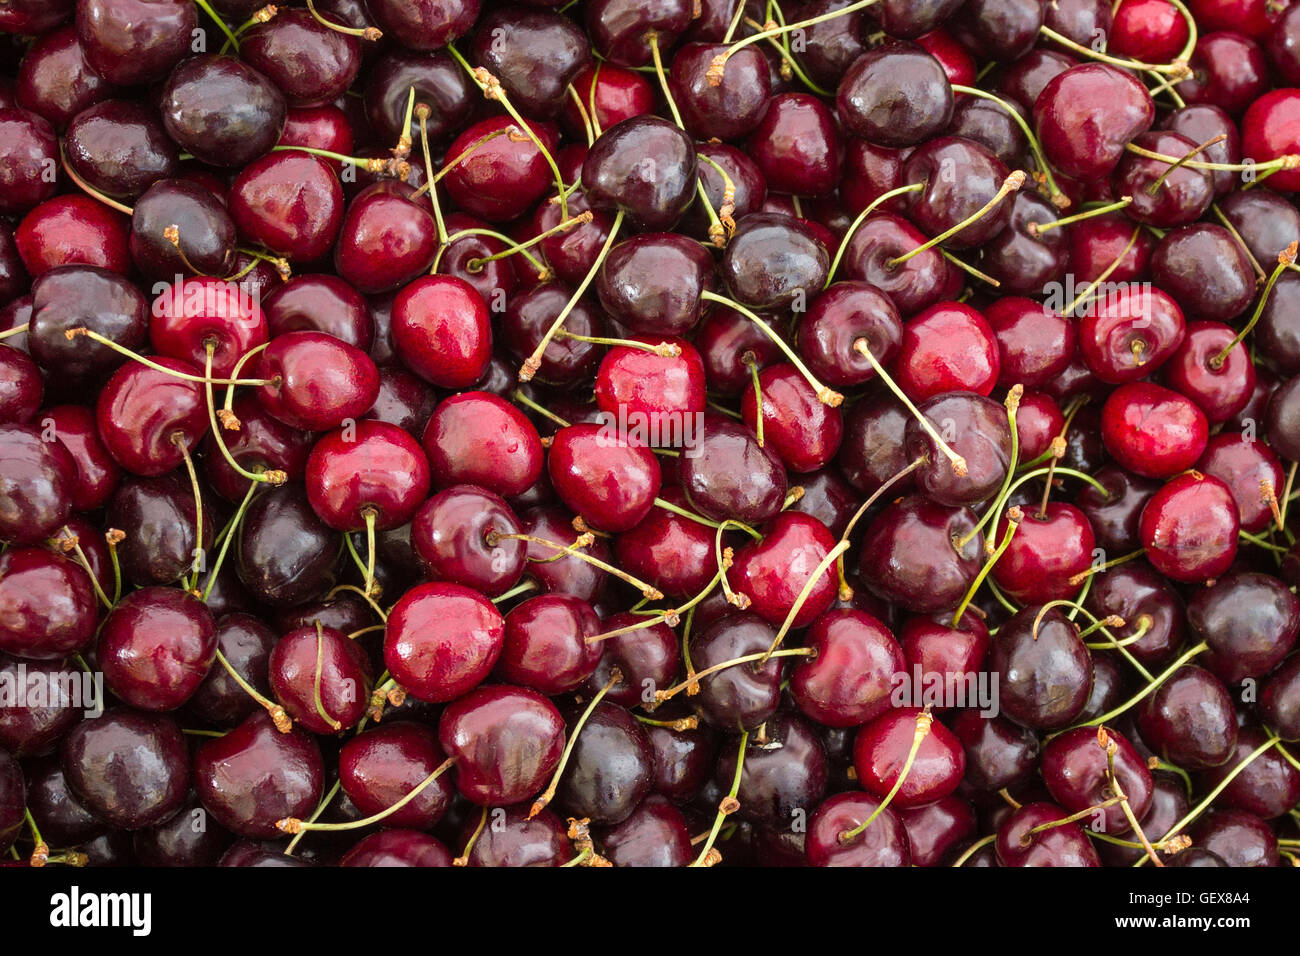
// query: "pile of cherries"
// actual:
[[649, 432]]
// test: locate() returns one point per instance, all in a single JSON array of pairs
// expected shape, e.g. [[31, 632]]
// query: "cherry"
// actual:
[[119, 148], [828, 498], [774, 571], [884, 843], [1248, 620], [369, 471], [386, 239], [1021, 257], [615, 94], [915, 284], [310, 63], [439, 83], [49, 605], [1189, 528], [518, 840], [321, 677], [734, 107], [604, 476], [83, 296], [895, 95], [502, 175], [262, 443], [982, 439], [34, 726], [381, 766], [193, 314], [284, 553], [545, 644], [243, 853], [1221, 385], [1202, 123], [1078, 773], [204, 231], [156, 647], [730, 475], [780, 778], [535, 54], [1275, 335], [21, 387], [1189, 720], [743, 696], [1049, 548], [1205, 270], [998, 752], [1153, 431], [1067, 118], [660, 394], [882, 747], [1228, 70], [478, 438], [315, 381], [1038, 420], [128, 768], [1278, 700], [774, 262], [608, 771], [506, 742], [804, 431], [1045, 671], [723, 339], [871, 452], [161, 513], [947, 347], [616, 177], [245, 642], [26, 16], [653, 283], [254, 776], [913, 554], [397, 847], [1162, 195], [1062, 844], [1034, 343], [834, 322], [319, 127], [1280, 44], [1266, 222], [73, 229], [291, 203], [1114, 516], [1150, 31], [1268, 786], [129, 42], [1147, 605], [566, 574], [794, 140], [425, 24], [655, 834], [451, 530], [440, 327], [31, 160], [1236, 837], [221, 110], [442, 640], [320, 303]]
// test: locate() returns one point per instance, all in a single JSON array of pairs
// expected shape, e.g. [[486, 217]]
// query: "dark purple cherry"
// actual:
[[620, 30], [1238, 838], [913, 285], [610, 768], [284, 553], [1044, 669], [205, 233], [320, 303], [1005, 29], [895, 95], [782, 776], [439, 82], [1279, 701], [643, 167], [535, 54], [37, 480], [1250, 622], [998, 752], [1266, 221], [981, 434], [263, 443], [158, 516], [1268, 786], [1060, 845], [1147, 603], [1189, 720], [730, 475], [245, 642], [84, 296], [1205, 270], [48, 604], [656, 834], [310, 63], [960, 177], [738, 697], [21, 387], [729, 110], [913, 554], [221, 110], [1023, 259], [424, 24], [1114, 516], [1077, 772], [119, 148], [884, 843], [131, 42], [54, 79], [398, 847], [129, 768], [517, 840]]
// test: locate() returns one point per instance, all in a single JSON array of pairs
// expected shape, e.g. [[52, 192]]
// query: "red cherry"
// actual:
[[148, 419], [1271, 129], [442, 640], [478, 438], [882, 746], [1153, 431], [441, 330], [772, 572], [1189, 528], [366, 468], [605, 477], [197, 311], [315, 381], [72, 230], [948, 347], [852, 678]]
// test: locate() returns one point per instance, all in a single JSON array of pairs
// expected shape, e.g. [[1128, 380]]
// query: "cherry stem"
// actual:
[[89, 190], [1286, 491], [1284, 259], [722, 225], [1027, 837], [1260, 274], [863, 348], [521, 588], [144, 360], [40, 850], [748, 360], [1037, 228], [822, 567], [861, 218], [1289, 161], [662, 349], [615, 677], [846, 593], [1058, 198], [1204, 805], [1014, 517], [543, 271], [278, 715], [273, 477], [582, 112], [1110, 620], [652, 39], [439, 222], [671, 617], [1178, 68], [221, 24], [371, 164], [369, 515], [1079, 578], [353, 589], [475, 266], [700, 519], [67, 541], [727, 805], [969, 269], [320, 665], [662, 695], [789, 65], [923, 722], [719, 65], [178, 439], [1147, 690], [724, 557], [527, 402], [825, 394], [1012, 404], [1154, 187], [366, 33], [1010, 185], [534, 361], [574, 550], [325, 801], [974, 848], [16, 330], [295, 826], [1106, 273], [111, 537], [227, 537]]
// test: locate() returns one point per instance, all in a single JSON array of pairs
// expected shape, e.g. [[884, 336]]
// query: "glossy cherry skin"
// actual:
[[506, 742], [119, 148], [1280, 420], [610, 767], [306, 662], [774, 262], [668, 551], [1242, 463], [441, 329], [998, 752], [379, 767], [545, 645], [1153, 431], [1128, 334], [442, 640], [1038, 421], [262, 442], [1268, 786], [36, 484], [1144, 600], [1189, 720], [137, 41], [604, 476], [255, 776], [1223, 391], [1182, 194], [1076, 770], [1045, 679], [320, 303], [440, 83], [156, 647], [1275, 335], [739, 697], [1189, 528], [729, 110], [882, 746], [535, 54], [369, 466], [205, 231], [802, 430], [1236, 837], [730, 475], [872, 450], [291, 203], [941, 205], [35, 725], [1203, 267], [71, 230], [619, 29], [1086, 115], [83, 296], [1279, 700], [48, 604], [397, 847], [652, 283], [1148, 30], [910, 554], [796, 144], [778, 783], [655, 834], [835, 321], [895, 95], [160, 514], [1063, 845], [31, 158], [659, 396], [1034, 343], [128, 768], [1047, 550], [616, 176], [245, 642], [221, 110], [913, 285], [1265, 220], [773, 571], [616, 93], [1202, 123], [189, 316], [948, 347], [55, 81], [1249, 620], [425, 24], [149, 419], [1114, 516], [884, 843], [284, 553], [502, 176], [451, 533], [314, 381], [478, 438], [517, 841], [979, 432], [386, 239], [310, 63]]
